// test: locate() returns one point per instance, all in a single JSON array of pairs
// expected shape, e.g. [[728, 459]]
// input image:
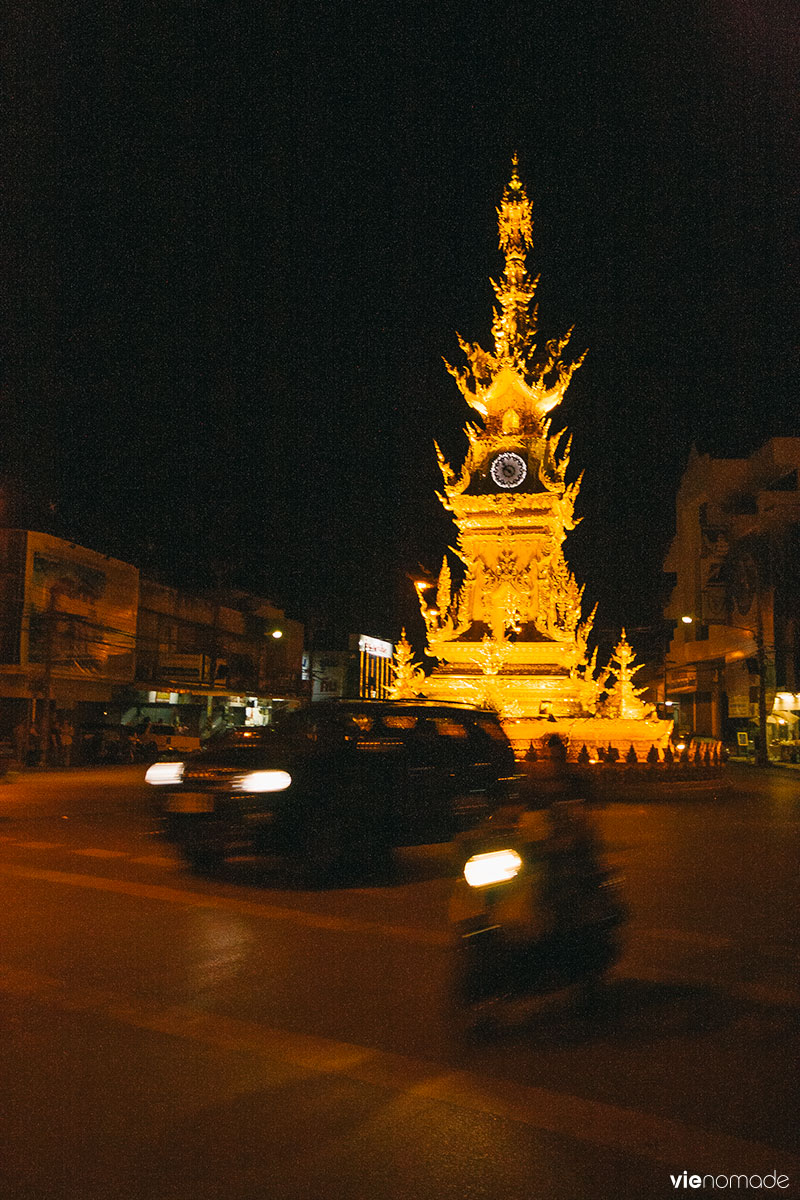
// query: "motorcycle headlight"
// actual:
[[161, 773], [264, 781], [498, 866]]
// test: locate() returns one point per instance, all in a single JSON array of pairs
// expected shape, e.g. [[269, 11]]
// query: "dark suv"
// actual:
[[338, 784]]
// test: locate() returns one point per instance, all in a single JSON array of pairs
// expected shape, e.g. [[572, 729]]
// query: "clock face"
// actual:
[[508, 470]]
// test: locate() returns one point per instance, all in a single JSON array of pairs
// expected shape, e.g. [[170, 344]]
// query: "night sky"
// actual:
[[239, 238]]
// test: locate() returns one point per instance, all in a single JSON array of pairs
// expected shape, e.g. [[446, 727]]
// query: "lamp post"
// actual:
[[762, 757], [268, 677], [46, 725]]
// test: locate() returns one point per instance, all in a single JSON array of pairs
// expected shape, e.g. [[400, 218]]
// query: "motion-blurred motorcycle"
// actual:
[[535, 911]]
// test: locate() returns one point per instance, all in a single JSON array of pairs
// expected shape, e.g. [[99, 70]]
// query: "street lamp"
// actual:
[[761, 749]]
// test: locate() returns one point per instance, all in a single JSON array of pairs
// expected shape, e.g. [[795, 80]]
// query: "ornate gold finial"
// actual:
[[409, 676], [514, 324], [622, 698], [514, 219]]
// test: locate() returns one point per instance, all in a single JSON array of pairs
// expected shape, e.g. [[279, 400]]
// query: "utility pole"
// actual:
[[762, 757], [47, 678]]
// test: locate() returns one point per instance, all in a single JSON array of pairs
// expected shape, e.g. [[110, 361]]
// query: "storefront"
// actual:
[[680, 690], [202, 712], [783, 725]]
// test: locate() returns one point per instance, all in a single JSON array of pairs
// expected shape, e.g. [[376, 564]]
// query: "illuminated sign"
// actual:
[[375, 646]]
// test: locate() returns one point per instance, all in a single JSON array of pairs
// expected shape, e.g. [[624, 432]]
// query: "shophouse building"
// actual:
[[86, 639], [67, 628], [733, 665], [222, 657]]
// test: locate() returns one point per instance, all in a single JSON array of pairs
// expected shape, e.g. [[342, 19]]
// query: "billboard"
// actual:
[[193, 668], [79, 612]]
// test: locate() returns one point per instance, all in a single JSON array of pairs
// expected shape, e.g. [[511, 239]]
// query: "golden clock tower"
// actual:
[[512, 635]]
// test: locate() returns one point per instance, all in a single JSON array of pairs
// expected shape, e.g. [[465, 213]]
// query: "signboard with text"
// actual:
[[80, 611], [682, 679]]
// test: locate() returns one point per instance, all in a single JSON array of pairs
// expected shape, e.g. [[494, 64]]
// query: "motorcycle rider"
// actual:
[[554, 916], [572, 847], [551, 821]]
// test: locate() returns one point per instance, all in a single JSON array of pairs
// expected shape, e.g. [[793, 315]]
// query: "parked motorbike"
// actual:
[[535, 911]]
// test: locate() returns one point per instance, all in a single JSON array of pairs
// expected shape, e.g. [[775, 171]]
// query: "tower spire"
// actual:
[[514, 218], [513, 325]]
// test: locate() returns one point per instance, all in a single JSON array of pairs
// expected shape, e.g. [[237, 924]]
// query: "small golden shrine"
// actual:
[[511, 635]]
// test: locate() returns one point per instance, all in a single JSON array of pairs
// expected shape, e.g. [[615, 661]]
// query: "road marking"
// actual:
[[407, 933], [764, 995], [689, 937], [39, 845], [268, 912], [150, 860], [774, 997], [93, 852], [621, 1130]]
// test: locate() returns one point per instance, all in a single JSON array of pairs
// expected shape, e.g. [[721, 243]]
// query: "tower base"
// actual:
[[595, 733]]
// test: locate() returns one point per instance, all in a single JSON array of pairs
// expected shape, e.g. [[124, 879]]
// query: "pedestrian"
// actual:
[[21, 742], [567, 840], [67, 732], [32, 756], [54, 755]]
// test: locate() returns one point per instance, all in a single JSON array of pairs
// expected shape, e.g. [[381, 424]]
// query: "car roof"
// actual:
[[417, 705]]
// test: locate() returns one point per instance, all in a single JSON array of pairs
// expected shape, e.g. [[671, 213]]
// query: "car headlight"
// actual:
[[498, 866], [161, 773], [264, 781]]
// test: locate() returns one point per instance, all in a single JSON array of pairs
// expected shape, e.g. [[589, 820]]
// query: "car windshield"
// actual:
[[240, 738], [236, 747]]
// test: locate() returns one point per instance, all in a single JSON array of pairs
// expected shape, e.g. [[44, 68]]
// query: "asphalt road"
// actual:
[[167, 1036]]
